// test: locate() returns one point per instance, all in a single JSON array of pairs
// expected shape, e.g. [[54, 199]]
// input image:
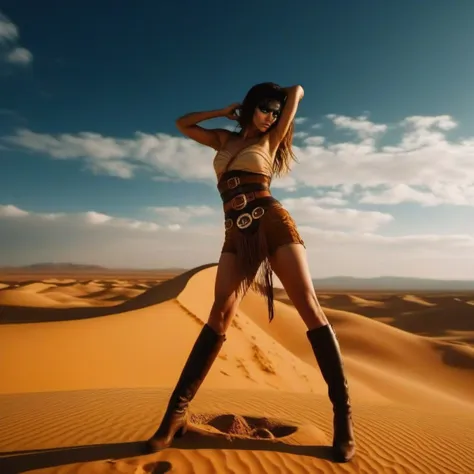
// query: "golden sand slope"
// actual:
[[81, 393]]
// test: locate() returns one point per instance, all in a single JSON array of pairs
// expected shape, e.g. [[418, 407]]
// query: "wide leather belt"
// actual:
[[240, 201], [235, 181], [227, 196], [245, 219]]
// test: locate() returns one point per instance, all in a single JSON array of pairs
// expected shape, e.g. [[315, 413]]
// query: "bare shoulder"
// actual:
[[223, 136]]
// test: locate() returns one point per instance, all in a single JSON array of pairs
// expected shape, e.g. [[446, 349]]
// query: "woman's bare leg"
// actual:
[[203, 354], [291, 267], [226, 296]]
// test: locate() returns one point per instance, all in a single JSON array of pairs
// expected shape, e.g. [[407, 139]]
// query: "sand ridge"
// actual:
[[88, 366]]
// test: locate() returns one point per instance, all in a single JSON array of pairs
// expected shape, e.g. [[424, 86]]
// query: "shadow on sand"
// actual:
[[160, 293], [16, 462]]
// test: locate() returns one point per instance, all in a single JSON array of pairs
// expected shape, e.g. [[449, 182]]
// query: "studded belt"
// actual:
[[240, 201], [249, 215], [236, 181], [245, 219]]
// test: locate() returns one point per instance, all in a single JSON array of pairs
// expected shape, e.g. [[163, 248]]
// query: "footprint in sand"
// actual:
[[154, 468], [131, 467], [250, 427], [206, 429]]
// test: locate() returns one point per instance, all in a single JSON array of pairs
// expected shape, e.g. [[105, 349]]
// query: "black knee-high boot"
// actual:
[[327, 352], [174, 422]]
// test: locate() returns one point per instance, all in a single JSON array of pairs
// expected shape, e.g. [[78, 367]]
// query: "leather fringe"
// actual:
[[253, 257]]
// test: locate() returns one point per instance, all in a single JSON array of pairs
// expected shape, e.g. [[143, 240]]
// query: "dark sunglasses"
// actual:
[[266, 108]]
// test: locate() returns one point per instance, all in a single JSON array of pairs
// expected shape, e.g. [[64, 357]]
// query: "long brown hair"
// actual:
[[258, 93]]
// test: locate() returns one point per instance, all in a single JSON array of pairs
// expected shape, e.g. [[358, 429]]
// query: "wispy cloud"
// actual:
[[309, 210], [184, 214], [10, 48], [174, 157], [93, 236], [314, 141], [11, 211], [424, 166], [88, 218], [400, 193], [19, 56], [8, 30], [99, 238], [300, 120], [363, 127]]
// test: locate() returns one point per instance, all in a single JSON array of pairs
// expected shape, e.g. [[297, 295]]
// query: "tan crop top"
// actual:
[[252, 158]]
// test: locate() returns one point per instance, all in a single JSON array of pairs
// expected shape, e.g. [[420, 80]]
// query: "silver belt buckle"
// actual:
[[239, 202], [244, 221], [232, 183], [258, 212]]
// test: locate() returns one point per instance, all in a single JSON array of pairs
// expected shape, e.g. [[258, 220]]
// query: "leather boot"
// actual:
[[327, 351], [174, 422]]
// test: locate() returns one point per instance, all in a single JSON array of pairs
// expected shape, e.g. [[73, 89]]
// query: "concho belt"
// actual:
[[245, 220]]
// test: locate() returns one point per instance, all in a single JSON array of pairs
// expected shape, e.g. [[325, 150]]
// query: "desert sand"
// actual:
[[87, 365]]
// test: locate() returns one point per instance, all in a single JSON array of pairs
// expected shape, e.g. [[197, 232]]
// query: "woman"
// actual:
[[260, 237]]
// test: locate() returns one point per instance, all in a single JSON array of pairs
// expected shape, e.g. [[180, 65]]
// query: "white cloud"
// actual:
[[97, 217], [8, 31], [9, 36], [361, 125], [175, 157], [181, 215], [330, 201], [460, 195], [424, 166], [414, 241], [11, 211], [89, 218], [19, 56], [95, 237], [300, 120], [444, 122], [330, 198], [314, 141], [308, 210], [288, 183], [398, 194], [424, 158]]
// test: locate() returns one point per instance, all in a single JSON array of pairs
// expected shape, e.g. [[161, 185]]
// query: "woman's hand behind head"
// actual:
[[232, 111]]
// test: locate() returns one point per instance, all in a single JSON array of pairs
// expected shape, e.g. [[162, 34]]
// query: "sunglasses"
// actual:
[[266, 108]]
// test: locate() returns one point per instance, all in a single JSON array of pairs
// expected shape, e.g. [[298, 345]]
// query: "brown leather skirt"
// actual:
[[277, 225], [254, 231]]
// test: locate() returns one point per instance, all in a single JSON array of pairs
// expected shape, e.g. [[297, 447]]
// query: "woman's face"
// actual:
[[266, 114]]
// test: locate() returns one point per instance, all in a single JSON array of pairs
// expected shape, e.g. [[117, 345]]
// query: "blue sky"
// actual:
[[94, 171]]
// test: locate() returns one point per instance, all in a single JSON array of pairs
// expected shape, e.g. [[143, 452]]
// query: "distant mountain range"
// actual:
[[338, 283], [57, 266], [49, 267], [392, 283]]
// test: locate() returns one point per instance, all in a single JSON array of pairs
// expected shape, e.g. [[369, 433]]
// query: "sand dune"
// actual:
[[434, 315], [86, 376], [15, 298], [417, 300]]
